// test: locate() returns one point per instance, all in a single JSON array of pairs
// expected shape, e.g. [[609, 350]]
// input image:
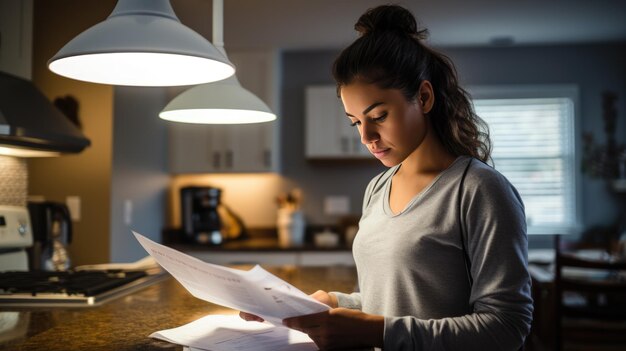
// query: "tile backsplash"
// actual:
[[13, 181]]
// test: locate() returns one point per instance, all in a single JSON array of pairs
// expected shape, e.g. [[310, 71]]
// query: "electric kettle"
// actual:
[[52, 233]]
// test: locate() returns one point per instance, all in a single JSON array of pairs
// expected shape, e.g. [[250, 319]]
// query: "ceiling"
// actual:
[[328, 24]]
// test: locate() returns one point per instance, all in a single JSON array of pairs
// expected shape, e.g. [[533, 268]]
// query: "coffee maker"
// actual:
[[52, 233], [205, 220]]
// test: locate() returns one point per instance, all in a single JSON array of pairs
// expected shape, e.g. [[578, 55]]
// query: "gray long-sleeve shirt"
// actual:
[[411, 266]]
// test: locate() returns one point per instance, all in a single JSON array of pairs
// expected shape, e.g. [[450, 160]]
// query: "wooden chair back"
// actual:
[[602, 288]]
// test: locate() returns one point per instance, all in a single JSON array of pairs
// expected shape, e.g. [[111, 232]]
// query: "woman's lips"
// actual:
[[380, 153]]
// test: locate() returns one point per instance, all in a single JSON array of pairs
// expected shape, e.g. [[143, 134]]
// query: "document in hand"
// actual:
[[231, 333], [255, 291]]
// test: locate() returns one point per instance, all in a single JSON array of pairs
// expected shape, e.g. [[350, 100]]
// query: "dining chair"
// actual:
[[590, 303]]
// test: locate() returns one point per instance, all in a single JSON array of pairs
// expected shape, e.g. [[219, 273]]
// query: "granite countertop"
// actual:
[[125, 323]]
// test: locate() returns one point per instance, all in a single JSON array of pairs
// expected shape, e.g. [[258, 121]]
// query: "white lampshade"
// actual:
[[142, 43], [223, 102]]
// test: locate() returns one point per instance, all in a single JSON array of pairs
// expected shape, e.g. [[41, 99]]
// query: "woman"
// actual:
[[441, 251]]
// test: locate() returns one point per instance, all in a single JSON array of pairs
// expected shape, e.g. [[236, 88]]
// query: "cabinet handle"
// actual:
[[229, 159], [345, 146], [216, 160], [267, 158]]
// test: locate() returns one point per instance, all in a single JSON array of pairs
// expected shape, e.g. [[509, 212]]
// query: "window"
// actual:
[[532, 131]]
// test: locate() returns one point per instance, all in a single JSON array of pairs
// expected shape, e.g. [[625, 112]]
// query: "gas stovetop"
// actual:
[[69, 288]]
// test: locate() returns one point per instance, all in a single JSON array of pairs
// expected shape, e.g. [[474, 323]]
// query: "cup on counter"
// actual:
[[291, 226]]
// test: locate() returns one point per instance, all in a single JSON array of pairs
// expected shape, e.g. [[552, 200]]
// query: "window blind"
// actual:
[[533, 148]]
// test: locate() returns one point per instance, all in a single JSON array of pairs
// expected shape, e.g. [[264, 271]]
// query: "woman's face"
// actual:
[[390, 126]]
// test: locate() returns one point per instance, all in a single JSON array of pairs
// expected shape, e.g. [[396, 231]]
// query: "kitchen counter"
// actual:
[[257, 245], [261, 247], [266, 251], [125, 323]]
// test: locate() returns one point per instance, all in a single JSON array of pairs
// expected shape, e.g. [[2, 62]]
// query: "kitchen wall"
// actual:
[[88, 174], [139, 177]]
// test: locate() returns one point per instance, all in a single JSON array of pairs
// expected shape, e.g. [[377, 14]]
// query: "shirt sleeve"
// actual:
[[500, 297]]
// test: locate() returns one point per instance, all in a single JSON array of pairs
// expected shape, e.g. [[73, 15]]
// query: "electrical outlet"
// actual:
[[73, 205], [336, 205]]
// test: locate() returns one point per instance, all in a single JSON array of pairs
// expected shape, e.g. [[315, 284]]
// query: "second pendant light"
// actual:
[[222, 102]]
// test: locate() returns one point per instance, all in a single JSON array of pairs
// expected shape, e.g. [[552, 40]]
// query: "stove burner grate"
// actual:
[[82, 283]]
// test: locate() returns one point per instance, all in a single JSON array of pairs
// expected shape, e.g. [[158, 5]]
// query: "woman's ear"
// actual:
[[426, 96]]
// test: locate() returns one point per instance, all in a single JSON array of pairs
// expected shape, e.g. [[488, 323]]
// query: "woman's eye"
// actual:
[[353, 124], [380, 118]]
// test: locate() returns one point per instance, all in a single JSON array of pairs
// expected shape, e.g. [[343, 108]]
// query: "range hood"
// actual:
[[30, 122]]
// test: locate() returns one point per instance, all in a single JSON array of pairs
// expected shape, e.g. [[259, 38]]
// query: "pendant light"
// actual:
[[223, 102], [142, 43]]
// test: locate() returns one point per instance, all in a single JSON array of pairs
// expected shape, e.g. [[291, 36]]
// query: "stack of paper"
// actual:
[[231, 333], [255, 291]]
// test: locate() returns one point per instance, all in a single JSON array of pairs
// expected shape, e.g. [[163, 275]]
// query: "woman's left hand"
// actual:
[[340, 328]]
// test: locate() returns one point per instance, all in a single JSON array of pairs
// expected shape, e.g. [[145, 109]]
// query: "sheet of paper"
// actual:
[[231, 333], [256, 291]]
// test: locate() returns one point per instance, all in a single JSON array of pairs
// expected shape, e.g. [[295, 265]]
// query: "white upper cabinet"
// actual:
[[328, 131], [16, 37], [190, 147], [242, 148]]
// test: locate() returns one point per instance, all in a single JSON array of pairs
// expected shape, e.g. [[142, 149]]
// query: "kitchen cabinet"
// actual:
[[329, 134], [16, 37], [233, 148], [196, 148]]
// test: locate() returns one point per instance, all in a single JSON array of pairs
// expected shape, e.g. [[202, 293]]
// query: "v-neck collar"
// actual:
[[386, 202]]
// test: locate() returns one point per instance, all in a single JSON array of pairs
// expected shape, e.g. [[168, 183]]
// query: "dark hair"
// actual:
[[390, 54]]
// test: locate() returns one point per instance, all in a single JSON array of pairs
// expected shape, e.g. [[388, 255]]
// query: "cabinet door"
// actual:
[[322, 113], [247, 148], [255, 145], [190, 148], [16, 37], [328, 131], [220, 149]]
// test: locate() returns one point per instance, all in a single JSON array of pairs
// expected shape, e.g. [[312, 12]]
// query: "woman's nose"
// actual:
[[368, 134]]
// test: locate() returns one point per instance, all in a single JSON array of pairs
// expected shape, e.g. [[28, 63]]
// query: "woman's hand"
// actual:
[[320, 295], [325, 298], [340, 328], [250, 317]]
